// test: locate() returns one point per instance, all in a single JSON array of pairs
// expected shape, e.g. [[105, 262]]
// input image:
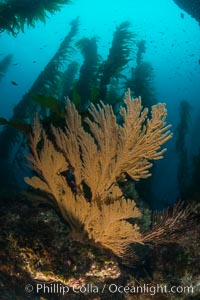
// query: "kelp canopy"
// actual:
[[15, 14]]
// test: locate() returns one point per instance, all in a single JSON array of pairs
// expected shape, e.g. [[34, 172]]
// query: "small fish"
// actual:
[[199, 61], [34, 61], [14, 83], [182, 15]]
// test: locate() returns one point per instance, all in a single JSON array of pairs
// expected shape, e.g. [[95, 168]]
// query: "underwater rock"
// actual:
[[192, 7]]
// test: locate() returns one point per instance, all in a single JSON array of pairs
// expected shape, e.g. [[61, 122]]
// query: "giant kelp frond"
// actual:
[[68, 80], [119, 55], [88, 77], [141, 82], [15, 14], [47, 83], [16, 124], [141, 79], [64, 49], [80, 169], [4, 64], [54, 69]]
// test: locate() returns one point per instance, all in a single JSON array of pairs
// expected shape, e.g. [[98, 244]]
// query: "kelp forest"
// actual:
[[77, 197]]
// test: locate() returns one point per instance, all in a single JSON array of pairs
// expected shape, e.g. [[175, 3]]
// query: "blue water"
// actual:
[[172, 48]]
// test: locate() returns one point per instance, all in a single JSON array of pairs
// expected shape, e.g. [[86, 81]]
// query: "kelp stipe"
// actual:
[[15, 14], [181, 147], [141, 78], [118, 57], [47, 83]]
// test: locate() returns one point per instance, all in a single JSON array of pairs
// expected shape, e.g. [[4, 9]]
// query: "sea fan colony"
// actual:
[[80, 166]]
